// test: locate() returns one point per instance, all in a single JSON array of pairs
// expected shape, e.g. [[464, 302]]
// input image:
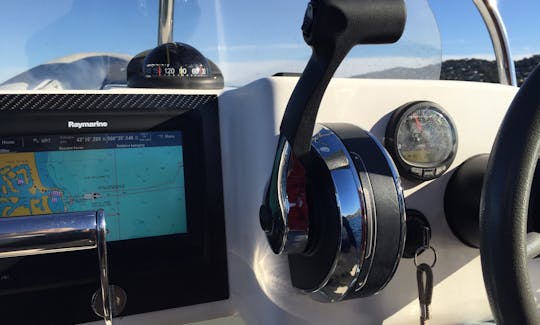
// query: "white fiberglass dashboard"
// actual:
[[249, 120], [259, 286]]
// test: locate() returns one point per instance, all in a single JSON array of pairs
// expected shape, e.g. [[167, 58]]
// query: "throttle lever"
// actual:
[[332, 28]]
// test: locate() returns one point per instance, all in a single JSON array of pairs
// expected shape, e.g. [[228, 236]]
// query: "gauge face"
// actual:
[[425, 136], [422, 139]]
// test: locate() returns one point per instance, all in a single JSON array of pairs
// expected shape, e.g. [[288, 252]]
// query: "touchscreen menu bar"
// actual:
[[90, 141]]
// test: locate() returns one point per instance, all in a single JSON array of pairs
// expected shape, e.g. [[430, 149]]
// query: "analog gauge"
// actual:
[[422, 139]]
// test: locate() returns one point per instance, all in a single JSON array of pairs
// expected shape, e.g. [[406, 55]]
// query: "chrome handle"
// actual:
[[497, 31], [101, 232], [57, 233]]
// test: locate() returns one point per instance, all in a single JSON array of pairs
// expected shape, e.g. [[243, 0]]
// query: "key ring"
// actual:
[[422, 249]]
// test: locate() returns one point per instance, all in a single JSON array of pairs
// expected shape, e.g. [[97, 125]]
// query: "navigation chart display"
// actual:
[[136, 178]]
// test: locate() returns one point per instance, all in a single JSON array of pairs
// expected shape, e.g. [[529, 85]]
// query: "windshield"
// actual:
[[80, 44]]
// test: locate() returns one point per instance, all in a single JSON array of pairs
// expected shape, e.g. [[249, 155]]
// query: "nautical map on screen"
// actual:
[[137, 178]]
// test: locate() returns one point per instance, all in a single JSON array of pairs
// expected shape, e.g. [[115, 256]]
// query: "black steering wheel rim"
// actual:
[[504, 207]]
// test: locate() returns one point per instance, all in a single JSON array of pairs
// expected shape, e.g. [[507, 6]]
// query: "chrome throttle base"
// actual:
[[350, 241]]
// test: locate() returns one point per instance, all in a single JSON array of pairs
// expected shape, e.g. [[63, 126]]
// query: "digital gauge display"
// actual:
[[137, 178], [422, 139]]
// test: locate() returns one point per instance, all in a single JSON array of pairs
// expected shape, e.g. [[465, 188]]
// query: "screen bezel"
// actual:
[[154, 272]]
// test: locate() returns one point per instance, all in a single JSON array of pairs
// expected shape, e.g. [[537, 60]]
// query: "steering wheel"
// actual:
[[504, 209]]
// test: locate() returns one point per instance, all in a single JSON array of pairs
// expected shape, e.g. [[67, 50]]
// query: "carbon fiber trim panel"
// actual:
[[101, 102]]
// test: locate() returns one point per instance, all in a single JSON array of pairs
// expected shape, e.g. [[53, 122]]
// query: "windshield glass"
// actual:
[[79, 44]]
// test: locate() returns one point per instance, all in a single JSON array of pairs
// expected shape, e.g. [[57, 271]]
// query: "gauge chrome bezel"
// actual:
[[418, 171]]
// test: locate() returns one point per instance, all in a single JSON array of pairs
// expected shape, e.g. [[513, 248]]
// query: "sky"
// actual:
[[463, 32], [247, 37]]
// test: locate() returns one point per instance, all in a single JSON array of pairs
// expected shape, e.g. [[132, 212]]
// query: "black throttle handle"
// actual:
[[332, 28]]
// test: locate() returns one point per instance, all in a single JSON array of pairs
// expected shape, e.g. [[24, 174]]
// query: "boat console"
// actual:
[[294, 199]]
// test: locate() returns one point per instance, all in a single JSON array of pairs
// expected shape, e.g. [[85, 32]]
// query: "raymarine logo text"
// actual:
[[83, 125]]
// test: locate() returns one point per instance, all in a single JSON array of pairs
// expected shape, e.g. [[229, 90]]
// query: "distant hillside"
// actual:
[[463, 69], [426, 72], [484, 70]]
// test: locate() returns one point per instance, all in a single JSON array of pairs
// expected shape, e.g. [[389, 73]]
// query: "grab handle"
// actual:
[[57, 233]]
